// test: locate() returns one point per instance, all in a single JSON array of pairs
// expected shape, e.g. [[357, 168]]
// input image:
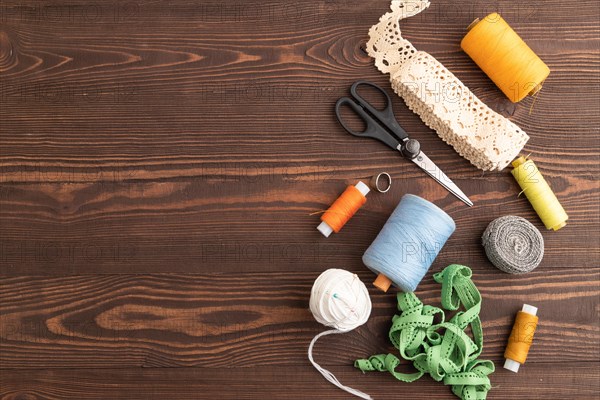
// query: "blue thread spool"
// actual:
[[408, 243]]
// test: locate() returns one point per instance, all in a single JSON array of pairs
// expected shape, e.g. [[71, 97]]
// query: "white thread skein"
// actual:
[[340, 300]]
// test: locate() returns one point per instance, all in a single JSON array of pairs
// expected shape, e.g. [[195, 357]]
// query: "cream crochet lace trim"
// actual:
[[479, 134]]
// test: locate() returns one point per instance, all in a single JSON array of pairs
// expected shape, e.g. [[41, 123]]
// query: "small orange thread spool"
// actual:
[[343, 209], [521, 338]]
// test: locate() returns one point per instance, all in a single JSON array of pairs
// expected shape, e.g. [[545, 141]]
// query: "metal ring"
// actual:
[[376, 179]]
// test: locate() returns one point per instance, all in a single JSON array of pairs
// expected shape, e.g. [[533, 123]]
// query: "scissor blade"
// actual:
[[432, 170]]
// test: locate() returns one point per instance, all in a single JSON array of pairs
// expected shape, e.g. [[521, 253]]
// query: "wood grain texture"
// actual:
[[245, 320], [159, 162], [574, 381]]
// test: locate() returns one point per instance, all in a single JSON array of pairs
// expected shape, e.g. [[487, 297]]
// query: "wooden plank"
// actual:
[[194, 226], [535, 381], [116, 103], [114, 185], [141, 138], [159, 162], [251, 319]]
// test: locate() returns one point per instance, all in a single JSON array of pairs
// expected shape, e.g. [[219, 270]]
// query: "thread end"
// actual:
[[511, 365], [529, 309], [472, 24], [362, 188], [536, 89], [382, 283], [325, 229], [519, 161]]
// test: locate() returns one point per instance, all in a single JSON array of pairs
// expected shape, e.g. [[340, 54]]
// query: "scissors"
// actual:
[[383, 126]]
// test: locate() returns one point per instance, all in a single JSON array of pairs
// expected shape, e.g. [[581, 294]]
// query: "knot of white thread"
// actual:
[[340, 300]]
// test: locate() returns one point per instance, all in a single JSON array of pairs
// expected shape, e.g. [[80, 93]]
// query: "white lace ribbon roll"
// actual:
[[479, 134]]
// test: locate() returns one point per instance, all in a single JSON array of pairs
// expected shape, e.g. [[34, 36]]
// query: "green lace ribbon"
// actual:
[[443, 349]]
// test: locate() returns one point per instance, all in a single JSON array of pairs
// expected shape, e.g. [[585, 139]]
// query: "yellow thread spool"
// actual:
[[539, 194], [521, 338], [501, 53]]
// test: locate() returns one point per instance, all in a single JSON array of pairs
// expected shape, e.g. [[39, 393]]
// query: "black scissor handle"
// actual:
[[373, 128], [385, 116]]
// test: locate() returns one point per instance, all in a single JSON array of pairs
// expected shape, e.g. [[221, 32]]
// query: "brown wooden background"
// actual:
[[160, 160]]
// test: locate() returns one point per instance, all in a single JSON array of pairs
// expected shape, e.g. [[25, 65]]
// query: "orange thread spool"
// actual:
[[343, 209], [503, 55], [521, 338]]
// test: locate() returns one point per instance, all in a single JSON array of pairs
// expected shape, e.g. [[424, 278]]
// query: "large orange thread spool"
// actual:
[[501, 53], [521, 338], [343, 209]]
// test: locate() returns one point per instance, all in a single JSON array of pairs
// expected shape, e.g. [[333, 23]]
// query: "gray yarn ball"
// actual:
[[513, 244]]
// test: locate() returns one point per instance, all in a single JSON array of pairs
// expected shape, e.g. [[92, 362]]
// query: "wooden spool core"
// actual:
[[382, 282], [472, 25], [519, 161], [536, 89]]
